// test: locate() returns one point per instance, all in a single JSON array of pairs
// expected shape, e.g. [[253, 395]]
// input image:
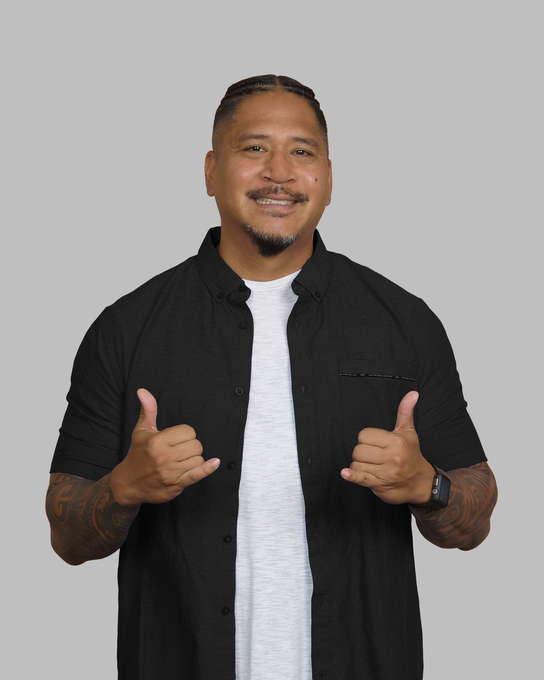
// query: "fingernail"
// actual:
[[215, 463], [346, 474]]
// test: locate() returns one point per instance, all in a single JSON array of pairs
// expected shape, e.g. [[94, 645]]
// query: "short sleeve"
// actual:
[[90, 438], [447, 435]]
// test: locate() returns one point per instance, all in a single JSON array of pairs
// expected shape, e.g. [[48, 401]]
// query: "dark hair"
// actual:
[[245, 88]]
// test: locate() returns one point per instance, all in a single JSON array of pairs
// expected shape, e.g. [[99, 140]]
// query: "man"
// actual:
[[295, 408]]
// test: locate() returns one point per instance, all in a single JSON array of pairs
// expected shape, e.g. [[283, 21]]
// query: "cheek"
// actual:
[[318, 187], [245, 171], [236, 174]]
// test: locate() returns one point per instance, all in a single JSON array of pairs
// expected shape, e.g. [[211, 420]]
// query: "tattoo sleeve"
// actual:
[[465, 522], [86, 521]]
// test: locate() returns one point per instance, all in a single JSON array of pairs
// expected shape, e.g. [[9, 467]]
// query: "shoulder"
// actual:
[[360, 283], [165, 288], [160, 285], [118, 328]]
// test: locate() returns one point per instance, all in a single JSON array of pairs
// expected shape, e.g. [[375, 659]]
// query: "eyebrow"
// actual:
[[299, 140]]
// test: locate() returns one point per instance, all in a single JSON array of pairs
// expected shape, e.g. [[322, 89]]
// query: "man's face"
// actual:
[[270, 172]]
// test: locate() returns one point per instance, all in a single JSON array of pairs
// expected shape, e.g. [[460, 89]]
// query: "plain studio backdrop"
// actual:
[[435, 113]]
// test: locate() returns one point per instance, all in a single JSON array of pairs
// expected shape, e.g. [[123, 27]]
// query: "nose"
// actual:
[[278, 168]]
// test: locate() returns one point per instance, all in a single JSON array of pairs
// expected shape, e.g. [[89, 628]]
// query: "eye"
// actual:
[[255, 148], [302, 152]]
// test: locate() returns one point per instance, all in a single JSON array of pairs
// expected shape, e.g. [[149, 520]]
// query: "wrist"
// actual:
[[121, 489], [439, 496], [423, 493]]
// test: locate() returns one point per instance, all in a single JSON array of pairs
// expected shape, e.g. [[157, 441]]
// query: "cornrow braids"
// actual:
[[249, 86]]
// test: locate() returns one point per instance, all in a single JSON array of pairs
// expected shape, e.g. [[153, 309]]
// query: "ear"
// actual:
[[330, 183], [209, 172]]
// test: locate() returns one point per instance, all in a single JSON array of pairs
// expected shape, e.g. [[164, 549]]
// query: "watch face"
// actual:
[[440, 494], [441, 490]]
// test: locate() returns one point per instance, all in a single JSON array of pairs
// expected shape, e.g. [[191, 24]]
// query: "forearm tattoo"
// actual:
[[465, 522], [86, 521]]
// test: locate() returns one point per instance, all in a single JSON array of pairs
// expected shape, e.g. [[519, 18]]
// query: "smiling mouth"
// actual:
[[276, 196], [273, 201]]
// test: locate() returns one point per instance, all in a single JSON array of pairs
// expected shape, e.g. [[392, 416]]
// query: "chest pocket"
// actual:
[[371, 391]]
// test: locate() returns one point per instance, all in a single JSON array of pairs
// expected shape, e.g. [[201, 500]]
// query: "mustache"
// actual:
[[270, 192]]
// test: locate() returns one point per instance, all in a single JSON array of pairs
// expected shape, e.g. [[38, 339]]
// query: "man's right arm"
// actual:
[[87, 523], [90, 520]]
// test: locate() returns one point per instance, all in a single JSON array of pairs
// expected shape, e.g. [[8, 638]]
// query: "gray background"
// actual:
[[435, 112]]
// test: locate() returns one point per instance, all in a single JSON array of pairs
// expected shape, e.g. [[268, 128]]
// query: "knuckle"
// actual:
[[400, 442], [362, 435], [194, 474], [395, 477], [163, 476], [192, 478], [189, 432], [161, 459], [396, 461], [191, 449], [196, 447], [363, 479], [154, 445]]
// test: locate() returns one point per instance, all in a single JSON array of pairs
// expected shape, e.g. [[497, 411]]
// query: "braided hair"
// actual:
[[245, 88]]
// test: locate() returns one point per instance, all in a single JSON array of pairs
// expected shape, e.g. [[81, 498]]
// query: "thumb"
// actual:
[[148, 414], [405, 414]]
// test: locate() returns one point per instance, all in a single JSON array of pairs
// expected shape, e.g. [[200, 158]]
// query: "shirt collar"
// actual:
[[222, 280]]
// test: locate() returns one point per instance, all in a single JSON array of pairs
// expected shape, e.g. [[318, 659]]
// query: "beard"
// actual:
[[270, 245]]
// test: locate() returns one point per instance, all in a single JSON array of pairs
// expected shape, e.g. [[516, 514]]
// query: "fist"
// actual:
[[391, 463], [158, 465]]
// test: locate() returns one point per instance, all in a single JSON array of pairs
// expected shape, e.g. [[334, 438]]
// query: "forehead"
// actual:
[[274, 113]]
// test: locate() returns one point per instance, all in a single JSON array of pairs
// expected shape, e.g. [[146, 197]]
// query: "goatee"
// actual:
[[269, 245]]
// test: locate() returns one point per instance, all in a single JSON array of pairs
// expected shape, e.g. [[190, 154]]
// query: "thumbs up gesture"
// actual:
[[391, 463], [158, 465]]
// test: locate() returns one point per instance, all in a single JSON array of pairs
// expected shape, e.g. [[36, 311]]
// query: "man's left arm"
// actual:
[[393, 467], [465, 522]]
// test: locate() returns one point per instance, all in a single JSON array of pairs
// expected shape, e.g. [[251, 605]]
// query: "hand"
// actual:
[[391, 463], [158, 465]]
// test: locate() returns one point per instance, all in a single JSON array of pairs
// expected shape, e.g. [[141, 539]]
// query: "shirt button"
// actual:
[[244, 325], [227, 539], [303, 389], [225, 611], [318, 295], [238, 391], [243, 288], [231, 465], [220, 296], [308, 461]]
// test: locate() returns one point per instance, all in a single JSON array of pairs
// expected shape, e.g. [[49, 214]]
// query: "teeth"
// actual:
[[272, 201]]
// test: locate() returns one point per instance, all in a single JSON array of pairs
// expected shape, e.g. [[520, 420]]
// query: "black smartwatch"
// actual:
[[440, 494]]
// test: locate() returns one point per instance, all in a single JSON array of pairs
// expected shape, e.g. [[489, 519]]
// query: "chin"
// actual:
[[269, 243]]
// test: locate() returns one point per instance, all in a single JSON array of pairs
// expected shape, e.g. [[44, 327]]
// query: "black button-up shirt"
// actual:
[[358, 343]]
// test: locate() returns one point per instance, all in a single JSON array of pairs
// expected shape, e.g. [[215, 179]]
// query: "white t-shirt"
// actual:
[[273, 577]]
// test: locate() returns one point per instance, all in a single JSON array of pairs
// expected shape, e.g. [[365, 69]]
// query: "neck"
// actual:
[[243, 257]]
